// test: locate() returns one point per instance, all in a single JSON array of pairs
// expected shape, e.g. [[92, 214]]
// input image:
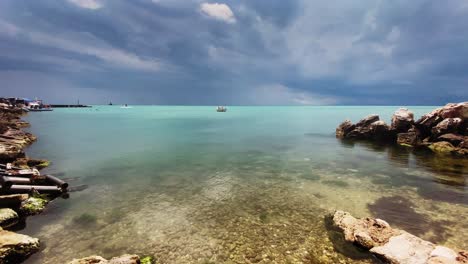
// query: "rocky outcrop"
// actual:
[[14, 247], [369, 128], [448, 124], [393, 245], [402, 120], [125, 259], [33, 205]]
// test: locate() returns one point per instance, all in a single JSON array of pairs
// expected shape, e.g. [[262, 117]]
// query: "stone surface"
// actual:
[[402, 120], [448, 125], [459, 110], [344, 128], [408, 139], [16, 247], [8, 217], [33, 205], [454, 139], [90, 260], [405, 249], [124, 259]]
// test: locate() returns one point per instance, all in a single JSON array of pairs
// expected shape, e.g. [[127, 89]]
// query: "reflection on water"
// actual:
[[233, 196]]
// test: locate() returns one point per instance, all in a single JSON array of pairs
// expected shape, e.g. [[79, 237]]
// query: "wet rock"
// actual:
[[442, 147], [442, 255], [428, 121], [31, 163], [402, 120], [14, 247], [344, 128], [448, 125], [12, 143], [381, 131], [367, 120], [8, 217], [363, 129], [90, 260], [125, 259], [405, 249], [33, 205], [454, 139], [12, 200], [409, 139]]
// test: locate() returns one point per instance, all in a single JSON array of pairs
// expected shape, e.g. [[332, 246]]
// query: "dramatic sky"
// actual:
[[235, 52]]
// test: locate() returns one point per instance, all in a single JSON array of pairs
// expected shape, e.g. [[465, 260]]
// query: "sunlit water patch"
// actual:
[[253, 185]]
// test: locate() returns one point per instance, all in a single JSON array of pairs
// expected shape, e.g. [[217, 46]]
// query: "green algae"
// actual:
[[147, 260], [85, 220]]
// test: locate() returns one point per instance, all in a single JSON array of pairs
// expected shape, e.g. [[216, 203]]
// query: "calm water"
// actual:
[[190, 185]]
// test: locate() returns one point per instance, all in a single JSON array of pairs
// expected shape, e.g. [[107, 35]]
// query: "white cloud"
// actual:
[[218, 11], [89, 4], [278, 94]]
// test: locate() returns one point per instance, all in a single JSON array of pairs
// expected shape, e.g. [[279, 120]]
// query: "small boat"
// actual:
[[110, 103], [221, 109], [37, 106], [125, 106]]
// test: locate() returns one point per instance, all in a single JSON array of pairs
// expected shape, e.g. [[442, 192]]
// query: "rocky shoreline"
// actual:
[[444, 130], [393, 245]]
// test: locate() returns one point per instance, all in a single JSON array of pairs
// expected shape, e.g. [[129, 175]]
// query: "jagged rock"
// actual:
[[405, 249], [12, 200], [428, 121], [125, 259], [459, 110], [16, 247], [464, 143], [402, 120], [367, 120], [448, 125], [344, 128], [8, 217], [442, 147], [454, 139], [366, 232], [381, 131]]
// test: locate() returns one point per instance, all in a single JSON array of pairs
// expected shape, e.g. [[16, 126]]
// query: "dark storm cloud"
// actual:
[[235, 52]]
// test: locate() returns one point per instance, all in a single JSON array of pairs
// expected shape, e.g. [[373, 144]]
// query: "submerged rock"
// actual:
[[8, 217], [14, 247], [125, 259], [442, 147], [344, 128]]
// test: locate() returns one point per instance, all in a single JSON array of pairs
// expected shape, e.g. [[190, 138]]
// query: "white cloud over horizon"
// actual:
[[279, 94], [218, 11], [88, 4]]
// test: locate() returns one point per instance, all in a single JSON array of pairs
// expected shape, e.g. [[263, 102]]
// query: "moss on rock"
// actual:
[[33, 205]]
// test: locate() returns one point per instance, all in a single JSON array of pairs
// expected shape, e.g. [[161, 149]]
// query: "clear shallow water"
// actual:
[[190, 185]]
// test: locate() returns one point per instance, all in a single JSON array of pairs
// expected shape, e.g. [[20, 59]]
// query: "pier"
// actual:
[[69, 106]]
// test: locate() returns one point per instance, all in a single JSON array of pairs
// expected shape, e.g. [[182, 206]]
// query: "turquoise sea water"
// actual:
[[252, 185]]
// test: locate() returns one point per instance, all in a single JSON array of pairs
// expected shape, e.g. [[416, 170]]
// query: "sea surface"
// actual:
[[252, 185]]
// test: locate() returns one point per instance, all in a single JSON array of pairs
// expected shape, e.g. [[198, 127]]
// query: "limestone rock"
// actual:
[[402, 120], [8, 217], [448, 125], [367, 120], [125, 259], [459, 110], [405, 249], [16, 247], [408, 139]]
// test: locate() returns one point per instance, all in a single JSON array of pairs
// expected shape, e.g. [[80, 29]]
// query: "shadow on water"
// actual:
[[400, 212]]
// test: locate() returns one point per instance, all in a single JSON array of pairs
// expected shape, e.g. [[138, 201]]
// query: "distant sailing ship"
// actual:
[[221, 109], [110, 103]]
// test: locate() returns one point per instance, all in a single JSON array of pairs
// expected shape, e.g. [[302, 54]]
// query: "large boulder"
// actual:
[[33, 205], [8, 217], [402, 120], [363, 129], [448, 125], [442, 147], [14, 247], [459, 110], [408, 139], [380, 131], [428, 121], [12, 200], [366, 121]]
